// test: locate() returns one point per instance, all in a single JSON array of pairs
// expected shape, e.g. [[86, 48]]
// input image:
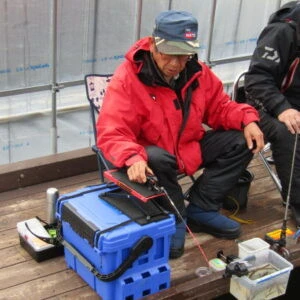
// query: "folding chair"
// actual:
[[238, 95], [95, 90]]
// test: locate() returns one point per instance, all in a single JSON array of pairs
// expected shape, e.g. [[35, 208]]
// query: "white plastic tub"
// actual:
[[267, 286]]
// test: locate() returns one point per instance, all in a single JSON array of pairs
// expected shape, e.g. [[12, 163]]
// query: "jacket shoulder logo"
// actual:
[[271, 54]]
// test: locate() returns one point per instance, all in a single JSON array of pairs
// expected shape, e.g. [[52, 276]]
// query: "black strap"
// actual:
[[141, 246], [51, 240]]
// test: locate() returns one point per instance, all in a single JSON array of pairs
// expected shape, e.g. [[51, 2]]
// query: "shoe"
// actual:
[[212, 222], [295, 208], [177, 241]]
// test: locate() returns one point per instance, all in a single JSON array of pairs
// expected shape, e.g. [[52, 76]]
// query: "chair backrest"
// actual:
[[238, 95], [238, 91], [95, 85]]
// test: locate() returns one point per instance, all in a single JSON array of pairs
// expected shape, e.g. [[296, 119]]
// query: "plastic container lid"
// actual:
[[252, 246]]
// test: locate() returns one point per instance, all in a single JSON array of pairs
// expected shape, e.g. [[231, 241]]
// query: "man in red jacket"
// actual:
[[152, 121]]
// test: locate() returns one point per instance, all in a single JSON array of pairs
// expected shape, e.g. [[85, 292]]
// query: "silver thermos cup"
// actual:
[[51, 197]]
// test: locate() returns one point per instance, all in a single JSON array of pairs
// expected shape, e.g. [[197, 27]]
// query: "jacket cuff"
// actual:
[[284, 106], [249, 118], [133, 159]]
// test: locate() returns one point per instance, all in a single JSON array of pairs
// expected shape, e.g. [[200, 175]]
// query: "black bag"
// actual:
[[238, 196]]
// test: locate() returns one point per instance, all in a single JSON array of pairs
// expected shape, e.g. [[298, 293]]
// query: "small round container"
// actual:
[[203, 271]]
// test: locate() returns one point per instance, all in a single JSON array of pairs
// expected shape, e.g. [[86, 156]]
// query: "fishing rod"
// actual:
[[284, 226], [279, 243], [153, 182], [233, 266]]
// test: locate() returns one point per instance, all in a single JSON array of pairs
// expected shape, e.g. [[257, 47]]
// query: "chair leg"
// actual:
[[100, 170], [186, 193], [270, 160], [271, 172]]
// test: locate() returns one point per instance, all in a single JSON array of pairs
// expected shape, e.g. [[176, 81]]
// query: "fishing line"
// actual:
[[155, 185], [187, 227]]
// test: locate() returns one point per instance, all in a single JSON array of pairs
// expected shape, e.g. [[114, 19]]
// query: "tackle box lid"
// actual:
[[103, 225]]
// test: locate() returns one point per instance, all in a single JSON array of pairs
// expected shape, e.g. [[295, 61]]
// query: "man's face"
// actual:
[[169, 65]]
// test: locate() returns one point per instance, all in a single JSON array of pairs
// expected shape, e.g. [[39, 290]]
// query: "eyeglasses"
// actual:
[[180, 58]]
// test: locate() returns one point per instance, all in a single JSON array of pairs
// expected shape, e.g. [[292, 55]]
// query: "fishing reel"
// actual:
[[152, 184], [280, 249], [277, 241], [235, 266]]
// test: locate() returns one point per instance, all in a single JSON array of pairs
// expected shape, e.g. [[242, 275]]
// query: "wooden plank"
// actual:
[[210, 286], [44, 287], [207, 287], [10, 221], [24, 201], [21, 277], [29, 270], [34, 171], [12, 255], [84, 292], [39, 190], [8, 238]]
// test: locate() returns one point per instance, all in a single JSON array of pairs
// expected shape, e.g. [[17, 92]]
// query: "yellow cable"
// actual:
[[233, 215]]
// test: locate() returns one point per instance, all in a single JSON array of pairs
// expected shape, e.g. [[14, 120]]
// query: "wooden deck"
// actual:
[[21, 277]]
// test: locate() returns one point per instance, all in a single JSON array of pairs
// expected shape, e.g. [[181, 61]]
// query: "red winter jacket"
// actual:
[[137, 112]]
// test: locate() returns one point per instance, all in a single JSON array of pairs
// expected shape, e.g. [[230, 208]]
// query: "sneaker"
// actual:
[[178, 241], [295, 208], [212, 222]]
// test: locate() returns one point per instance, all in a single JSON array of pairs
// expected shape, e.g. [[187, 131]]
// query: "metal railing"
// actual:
[[55, 86]]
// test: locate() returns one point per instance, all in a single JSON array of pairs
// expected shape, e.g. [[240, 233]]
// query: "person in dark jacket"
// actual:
[[151, 123], [272, 85]]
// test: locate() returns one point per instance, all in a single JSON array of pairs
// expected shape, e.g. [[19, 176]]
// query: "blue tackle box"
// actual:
[[116, 243]]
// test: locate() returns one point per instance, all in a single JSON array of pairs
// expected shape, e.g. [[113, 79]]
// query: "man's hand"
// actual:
[[138, 172], [253, 133], [291, 119]]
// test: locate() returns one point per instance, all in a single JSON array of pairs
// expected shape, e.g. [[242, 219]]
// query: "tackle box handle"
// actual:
[[142, 245]]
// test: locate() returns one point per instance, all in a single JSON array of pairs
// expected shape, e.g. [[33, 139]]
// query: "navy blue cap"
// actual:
[[175, 32]]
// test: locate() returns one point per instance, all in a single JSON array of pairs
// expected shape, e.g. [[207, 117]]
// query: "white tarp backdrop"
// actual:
[[92, 36]]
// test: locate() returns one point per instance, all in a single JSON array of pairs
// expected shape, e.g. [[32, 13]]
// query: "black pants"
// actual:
[[282, 146], [225, 156]]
